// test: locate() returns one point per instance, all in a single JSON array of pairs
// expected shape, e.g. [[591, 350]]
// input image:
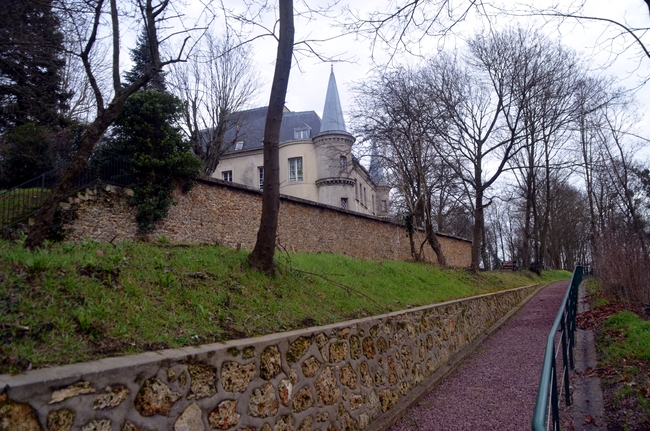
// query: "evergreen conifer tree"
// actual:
[[141, 56], [31, 64]]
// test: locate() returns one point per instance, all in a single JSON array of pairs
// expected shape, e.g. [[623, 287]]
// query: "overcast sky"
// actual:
[[308, 82], [309, 75]]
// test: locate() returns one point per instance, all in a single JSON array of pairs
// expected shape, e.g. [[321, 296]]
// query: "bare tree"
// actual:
[[617, 36], [484, 123], [396, 116], [261, 258], [87, 19], [216, 82], [547, 89]]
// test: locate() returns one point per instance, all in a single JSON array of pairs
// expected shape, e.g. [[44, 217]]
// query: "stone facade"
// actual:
[[335, 377], [217, 212]]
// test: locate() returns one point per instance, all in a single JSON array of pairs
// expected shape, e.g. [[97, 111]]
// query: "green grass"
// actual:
[[70, 303], [634, 340], [625, 347]]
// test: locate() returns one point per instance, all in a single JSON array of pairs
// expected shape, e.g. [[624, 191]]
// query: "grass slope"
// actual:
[[624, 347], [69, 303]]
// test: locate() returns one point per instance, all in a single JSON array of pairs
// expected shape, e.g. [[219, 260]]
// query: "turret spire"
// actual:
[[332, 113]]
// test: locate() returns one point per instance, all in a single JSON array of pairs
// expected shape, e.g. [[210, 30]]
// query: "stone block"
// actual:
[[327, 389], [263, 403], [16, 416], [60, 420], [111, 397], [348, 376], [303, 400], [369, 350], [270, 363], [285, 389], [338, 351], [155, 398], [310, 367], [225, 415], [79, 388], [236, 377], [190, 419], [284, 423], [98, 425], [298, 348]]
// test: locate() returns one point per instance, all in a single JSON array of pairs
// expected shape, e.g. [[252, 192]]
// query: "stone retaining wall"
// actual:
[[338, 377], [229, 214]]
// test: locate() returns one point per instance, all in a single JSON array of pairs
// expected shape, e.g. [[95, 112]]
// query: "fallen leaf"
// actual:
[[589, 419]]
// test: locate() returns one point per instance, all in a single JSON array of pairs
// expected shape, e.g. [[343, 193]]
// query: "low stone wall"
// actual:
[[228, 214], [336, 377]]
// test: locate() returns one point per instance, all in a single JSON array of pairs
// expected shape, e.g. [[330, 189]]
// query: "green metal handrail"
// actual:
[[565, 322]]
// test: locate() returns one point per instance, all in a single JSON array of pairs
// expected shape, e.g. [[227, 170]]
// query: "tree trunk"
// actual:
[[261, 258], [478, 228], [39, 231], [431, 236]]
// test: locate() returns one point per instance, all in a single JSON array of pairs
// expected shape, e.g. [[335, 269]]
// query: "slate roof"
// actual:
[[332, 113], [251, 127]]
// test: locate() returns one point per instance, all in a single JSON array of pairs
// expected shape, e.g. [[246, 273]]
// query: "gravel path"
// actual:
[[495, 387]]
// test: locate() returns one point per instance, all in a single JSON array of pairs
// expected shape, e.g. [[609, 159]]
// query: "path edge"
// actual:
[[389, 418]]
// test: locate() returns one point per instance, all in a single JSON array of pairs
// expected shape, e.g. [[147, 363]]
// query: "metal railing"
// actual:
[[23, 201], [547, 408]]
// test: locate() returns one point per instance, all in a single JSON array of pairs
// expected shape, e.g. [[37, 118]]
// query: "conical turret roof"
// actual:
[[332, 113]]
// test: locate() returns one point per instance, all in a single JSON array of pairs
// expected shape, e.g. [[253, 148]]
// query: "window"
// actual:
[[295, 169], [260, 175], [301, 133], [365, 197], [356, 190], [384, 207], [227, 176], [373, 204], [344, 203], [343, 162], [239, 145]]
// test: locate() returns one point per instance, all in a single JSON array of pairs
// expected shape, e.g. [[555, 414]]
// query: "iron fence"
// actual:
[[547, 408], [23, 201]]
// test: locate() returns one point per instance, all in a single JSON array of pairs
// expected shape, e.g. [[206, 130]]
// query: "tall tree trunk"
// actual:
[[261, 258], [478, 228], [431, 236]]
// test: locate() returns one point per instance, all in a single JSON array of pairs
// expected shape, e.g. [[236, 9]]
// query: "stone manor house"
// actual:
[[316, 162]]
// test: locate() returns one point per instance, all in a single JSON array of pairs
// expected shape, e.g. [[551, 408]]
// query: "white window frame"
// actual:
[[260, 175], [239, 145], [302, 133], [384, 206], [226, 176], [296, 170]]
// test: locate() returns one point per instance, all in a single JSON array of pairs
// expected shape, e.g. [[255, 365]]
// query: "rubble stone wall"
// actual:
[[338, 377], [228, 214]]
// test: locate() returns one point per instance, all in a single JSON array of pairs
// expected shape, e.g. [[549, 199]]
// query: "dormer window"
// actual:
[[239, 145], [301, 133]]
